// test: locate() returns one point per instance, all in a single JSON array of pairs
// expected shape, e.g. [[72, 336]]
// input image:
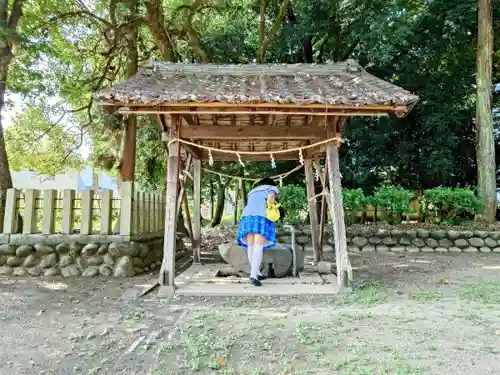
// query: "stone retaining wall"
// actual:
[[365, 239], [118, 259]]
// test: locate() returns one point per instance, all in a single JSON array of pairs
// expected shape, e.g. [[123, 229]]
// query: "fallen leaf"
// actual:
[[498, 332], [221, 362], [443, 281]]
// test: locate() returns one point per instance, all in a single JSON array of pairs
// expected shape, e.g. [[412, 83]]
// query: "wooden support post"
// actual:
[[167, 272], [11, 218], [153, 213], [126, 211], [197, 211], [106, 211], [68, 210], [313, 211], [188, 216], [323, 209], [2, 208], [87, 211], [142, 212], [183, 186], [29, 217], [136, 228], [332, 152], [49, 211]]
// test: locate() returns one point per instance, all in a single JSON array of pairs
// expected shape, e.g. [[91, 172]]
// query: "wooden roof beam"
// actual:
[[206, 132]]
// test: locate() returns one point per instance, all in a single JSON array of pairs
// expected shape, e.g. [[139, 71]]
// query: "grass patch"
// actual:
[[485, 292], [420, 295], [365, 293]]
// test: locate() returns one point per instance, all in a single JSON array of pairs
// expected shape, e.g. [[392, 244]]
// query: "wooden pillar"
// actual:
[[29, 218], [167, 272], [197, 211], [323, 208], [11, 219], [87, 211], [313, 211], [106, 211], [335, 192], [68, 211], [49, 211]]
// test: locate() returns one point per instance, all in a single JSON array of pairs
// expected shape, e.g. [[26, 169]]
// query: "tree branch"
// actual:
[[156, 24], [15, 14]]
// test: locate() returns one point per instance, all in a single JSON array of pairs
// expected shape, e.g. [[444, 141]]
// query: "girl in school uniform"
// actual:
[[255, 231]]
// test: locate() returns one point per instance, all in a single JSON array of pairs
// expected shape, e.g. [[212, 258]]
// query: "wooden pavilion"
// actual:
[[250, 112]]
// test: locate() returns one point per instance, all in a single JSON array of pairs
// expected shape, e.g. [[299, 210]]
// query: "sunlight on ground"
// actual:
[[54, 285]]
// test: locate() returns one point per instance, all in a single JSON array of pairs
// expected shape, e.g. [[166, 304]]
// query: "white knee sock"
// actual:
[[250, 253], [256, 260]]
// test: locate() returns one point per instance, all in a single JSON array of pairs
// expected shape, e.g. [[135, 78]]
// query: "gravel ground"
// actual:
[[408, 314]]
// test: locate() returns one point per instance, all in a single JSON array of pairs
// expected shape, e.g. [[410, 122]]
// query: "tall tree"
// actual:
[[485, 142], [9, 38]]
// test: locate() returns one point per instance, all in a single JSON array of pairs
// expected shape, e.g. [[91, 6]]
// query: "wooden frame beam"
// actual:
[[337, 209], [247, 133], [251, 105], [313, 211], [344, 112], [249, 158], [197, 211], [167, 271]]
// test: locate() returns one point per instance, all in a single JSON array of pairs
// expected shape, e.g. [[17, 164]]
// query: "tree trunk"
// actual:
[[221, 200], [212, 193], [244, 193], [8, 26], [485, 143], [236, 201], [127, 168]]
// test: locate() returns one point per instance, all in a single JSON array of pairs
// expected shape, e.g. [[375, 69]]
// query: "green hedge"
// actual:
[[444, 206]]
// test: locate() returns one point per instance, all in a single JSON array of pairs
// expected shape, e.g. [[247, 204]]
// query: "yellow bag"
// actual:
[[273, 212]]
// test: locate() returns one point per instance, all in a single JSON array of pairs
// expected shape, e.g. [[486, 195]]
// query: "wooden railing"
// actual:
[[65, 212]]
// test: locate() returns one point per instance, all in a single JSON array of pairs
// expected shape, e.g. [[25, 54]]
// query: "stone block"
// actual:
[[470, 250], [397, 249], [466, 234], [481, 233], [441, 249], [382, 249], [359, 241], [418, 242], [490, 242], [279, 256], [412, 249], [422, 233], [431, 242], [461, 243], [476, 242], [485, 249], [455, 249]]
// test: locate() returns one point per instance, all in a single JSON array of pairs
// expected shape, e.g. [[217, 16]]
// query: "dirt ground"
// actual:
[[410, 314]]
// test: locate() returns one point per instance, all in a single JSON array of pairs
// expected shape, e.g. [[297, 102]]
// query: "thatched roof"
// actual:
[[346, 84]]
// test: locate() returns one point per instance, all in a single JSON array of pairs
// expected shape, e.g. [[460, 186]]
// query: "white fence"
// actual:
[[65, 212]]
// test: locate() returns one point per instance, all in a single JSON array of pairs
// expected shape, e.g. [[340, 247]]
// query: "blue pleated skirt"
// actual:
[[257, 224]]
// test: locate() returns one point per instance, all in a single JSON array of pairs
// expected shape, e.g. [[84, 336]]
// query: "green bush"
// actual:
[[449, 206], [393, 201], [293, 199], [354, 202]]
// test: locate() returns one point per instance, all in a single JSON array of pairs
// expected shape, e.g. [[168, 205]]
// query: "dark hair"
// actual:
[[264, 181]]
